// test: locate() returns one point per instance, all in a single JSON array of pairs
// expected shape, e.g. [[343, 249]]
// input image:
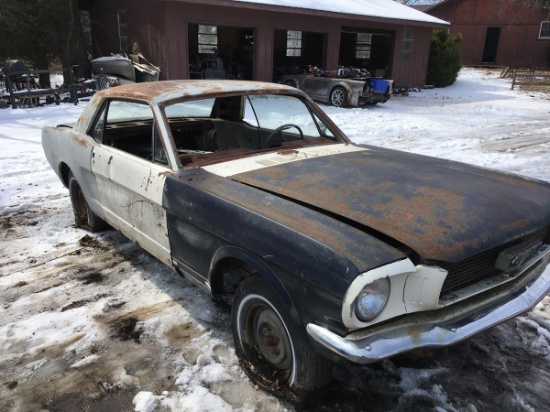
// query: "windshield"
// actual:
[[270, 112], [245, 124]]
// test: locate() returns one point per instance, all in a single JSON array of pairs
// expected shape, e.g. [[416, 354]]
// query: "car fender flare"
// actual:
[[259, 265], [295, 82]]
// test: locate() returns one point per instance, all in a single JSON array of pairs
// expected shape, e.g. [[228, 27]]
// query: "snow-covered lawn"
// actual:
[[92, 322]]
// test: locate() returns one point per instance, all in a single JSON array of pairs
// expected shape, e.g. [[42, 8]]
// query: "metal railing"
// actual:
[[26, 93], [529, 78]]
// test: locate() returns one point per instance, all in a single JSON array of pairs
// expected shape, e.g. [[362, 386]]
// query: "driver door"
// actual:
[[317, 87], [131, 176]]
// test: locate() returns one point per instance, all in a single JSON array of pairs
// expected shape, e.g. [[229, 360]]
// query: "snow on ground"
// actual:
[[92, 322]]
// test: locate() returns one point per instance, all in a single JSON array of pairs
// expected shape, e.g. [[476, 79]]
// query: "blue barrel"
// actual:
[[379, 86]]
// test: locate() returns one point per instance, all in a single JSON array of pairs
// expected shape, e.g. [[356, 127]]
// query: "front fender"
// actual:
[[259, 265]]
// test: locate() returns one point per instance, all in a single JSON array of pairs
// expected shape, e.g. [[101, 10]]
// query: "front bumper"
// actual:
[[368, 347]]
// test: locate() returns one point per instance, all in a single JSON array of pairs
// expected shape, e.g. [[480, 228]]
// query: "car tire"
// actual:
[[339, 97], [84, 217], [273, 349]]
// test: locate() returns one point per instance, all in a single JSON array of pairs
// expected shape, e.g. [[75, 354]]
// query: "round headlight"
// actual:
[[372, 299]]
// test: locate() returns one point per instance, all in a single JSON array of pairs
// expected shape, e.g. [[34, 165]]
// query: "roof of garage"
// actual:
[[379, 9]]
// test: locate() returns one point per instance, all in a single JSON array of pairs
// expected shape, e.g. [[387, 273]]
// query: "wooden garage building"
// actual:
[[264, 39], [499, 32]]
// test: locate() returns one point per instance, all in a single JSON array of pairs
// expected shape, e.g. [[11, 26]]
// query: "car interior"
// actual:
[[196, 138]]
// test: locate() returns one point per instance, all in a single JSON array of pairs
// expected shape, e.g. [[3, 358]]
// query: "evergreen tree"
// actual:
[[445, 61]]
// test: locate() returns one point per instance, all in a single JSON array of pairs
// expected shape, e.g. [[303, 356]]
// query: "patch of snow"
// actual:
[[145, 402], [87, 361], [411, 378], [200, 399]]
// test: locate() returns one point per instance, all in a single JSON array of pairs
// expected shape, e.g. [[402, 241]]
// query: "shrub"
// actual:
[[445, 61]]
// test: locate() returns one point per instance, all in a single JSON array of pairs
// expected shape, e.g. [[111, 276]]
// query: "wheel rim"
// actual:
[[270, 338], [338, 97], [265, 339]]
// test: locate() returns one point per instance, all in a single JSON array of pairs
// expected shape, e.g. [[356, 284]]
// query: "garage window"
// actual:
[[122, 30], [544, 30], [406, 45], [294, 43], [208, 39], [363, 45]]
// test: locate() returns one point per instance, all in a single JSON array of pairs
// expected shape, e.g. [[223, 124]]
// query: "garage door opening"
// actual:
[[366, 49], [491, 45], [220, 52], [294, 51]]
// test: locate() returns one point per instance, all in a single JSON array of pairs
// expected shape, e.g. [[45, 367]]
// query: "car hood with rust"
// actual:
[[442, 209]]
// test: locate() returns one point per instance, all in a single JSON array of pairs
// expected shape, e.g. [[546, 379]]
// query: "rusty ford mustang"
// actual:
[[323, 250]]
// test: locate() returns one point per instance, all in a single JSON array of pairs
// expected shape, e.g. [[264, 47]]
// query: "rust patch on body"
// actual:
[[184, 89], [442, 210], [81, 141]]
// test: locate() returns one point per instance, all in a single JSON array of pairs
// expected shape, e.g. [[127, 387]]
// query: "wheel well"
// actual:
[[340, 86], [291, 82], [226, 276], [64, 171]]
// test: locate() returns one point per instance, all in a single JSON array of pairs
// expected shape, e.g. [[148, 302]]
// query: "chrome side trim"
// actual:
[[391, 341]]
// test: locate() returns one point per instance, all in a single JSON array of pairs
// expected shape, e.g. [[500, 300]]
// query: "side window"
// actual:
[[130, 126], [159, 154], [98, 127]]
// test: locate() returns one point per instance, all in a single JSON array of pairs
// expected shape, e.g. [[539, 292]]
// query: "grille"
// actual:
[[470, 271], [481, 266]]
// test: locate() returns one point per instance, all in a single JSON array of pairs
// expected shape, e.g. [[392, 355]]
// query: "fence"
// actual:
[[23, 91], [529, 78]]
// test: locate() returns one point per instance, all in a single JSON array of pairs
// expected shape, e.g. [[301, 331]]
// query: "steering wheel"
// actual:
[[279, 132]]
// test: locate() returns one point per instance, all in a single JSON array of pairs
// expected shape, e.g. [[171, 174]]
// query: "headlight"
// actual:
[[372, 299]]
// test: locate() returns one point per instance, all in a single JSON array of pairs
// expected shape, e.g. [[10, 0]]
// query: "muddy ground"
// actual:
[[91, 322], [105, 320]]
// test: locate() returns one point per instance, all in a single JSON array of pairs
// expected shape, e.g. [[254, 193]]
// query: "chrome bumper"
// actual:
[[395, 340]]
